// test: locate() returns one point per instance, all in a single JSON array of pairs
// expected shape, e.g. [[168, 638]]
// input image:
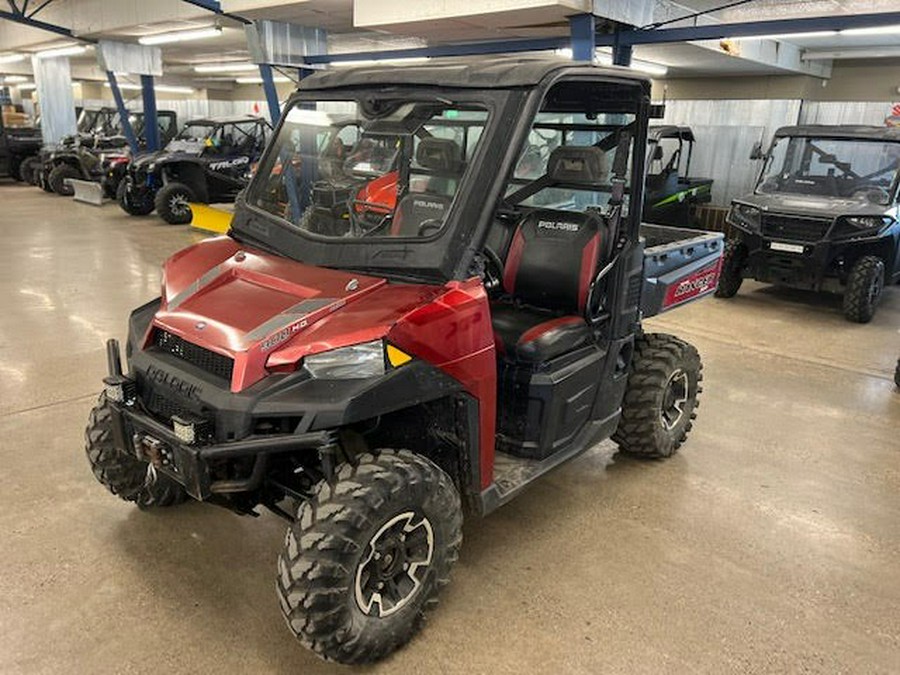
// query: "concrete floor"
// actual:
[[771, 543]]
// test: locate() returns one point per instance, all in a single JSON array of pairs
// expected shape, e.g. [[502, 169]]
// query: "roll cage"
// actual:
[[451, 252]]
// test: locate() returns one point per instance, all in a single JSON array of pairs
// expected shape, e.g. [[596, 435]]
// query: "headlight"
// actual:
[[855, 226], [348, 363], [867, 222], [744, 216]]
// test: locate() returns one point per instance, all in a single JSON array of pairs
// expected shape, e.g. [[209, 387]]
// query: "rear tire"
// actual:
[[15, 168], [27, 170], [126, 477], [58, 177], [172, 203], [734, 257], [351, 585], [142, 206], [661, 397], [865, 285]]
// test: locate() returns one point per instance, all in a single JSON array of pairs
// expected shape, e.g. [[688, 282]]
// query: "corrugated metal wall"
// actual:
[[844, 112], [726, 132]]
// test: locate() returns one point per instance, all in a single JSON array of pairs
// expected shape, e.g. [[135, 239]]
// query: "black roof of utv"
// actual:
[[670, 131], [476, 73], [849, 131]]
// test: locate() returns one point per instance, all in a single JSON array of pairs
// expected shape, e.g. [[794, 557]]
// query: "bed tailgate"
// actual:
[[680, 265]]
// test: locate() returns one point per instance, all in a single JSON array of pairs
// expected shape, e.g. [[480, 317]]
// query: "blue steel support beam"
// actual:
[[581, 28], [123, 112], [21, 18], [215, 7], [753, 28], [151, 122], [268, 82], [628, 37], [621, 54]]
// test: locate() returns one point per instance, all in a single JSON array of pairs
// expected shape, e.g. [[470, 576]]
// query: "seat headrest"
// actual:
[[439, 154], [577, 166]]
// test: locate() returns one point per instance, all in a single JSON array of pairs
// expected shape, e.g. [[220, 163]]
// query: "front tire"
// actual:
[[58, 177], [734, 257], [865, 284], [661, 396], [141, 205], [366, 557], [126, 477], [173, 203]]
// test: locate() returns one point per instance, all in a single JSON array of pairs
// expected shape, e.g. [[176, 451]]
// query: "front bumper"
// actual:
[[139, 435], [806, 267]]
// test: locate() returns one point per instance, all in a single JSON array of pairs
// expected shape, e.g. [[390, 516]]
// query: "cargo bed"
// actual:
[[680, 265]]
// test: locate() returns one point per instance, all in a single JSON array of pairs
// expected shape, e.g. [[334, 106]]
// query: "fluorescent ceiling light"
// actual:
[[14, 79], [258, 80], [237, 67], [174, 89], [785, 36], [649, 68], [839, 54], [72, 50], [180, 36], [636, 64], [26, 85], [373, 62], [12, 58], [874, 30]]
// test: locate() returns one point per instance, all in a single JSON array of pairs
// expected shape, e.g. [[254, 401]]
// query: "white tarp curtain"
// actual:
[[54, 87], [129, 58]]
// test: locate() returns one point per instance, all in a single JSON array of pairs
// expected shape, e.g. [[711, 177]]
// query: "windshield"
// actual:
[[383, 168], [199, 133], [101, 122], [832, 167]]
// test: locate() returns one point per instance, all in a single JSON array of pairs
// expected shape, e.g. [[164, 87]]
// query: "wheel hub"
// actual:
[[674, 400], [178, 204], [394, 564]]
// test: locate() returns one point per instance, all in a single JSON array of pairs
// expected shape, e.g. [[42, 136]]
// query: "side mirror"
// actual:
[[757, 152]]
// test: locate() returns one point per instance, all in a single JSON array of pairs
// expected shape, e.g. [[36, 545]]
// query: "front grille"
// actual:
[[204, 359], [794, 227], [164, 409]]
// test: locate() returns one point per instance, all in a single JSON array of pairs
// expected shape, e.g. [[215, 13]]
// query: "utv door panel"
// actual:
[[542, 409]]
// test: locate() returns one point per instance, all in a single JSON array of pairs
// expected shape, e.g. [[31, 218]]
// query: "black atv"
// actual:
[[18, 144], [672, 196], [824, 216], [209, 161], [99, 155]]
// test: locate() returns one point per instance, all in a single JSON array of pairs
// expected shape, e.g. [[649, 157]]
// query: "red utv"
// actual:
[[366, 372]]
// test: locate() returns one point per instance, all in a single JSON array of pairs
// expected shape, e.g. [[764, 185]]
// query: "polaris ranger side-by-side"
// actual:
[[96, 155], [209, 161], [671, 195], [824, 216], [364, 364], [18, 146]]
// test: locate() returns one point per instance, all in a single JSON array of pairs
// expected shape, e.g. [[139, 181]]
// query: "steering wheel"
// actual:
[[492, 277], [883, 197], [429, 226], [360, 226]]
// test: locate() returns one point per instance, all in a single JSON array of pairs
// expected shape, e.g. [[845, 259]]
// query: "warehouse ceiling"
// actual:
[[370, 25]]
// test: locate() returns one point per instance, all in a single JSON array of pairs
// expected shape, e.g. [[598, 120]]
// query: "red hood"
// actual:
[[263, 309]]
